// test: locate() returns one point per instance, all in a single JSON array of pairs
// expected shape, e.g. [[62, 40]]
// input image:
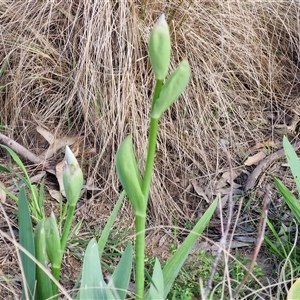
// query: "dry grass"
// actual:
[[80, 68]]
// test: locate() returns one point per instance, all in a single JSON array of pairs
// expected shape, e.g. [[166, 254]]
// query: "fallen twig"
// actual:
[[21, 150]]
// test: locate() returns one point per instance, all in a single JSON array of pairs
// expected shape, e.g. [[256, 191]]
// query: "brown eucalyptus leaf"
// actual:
[[59, 175], [55, 195], [49, 137], [198, 189], [58, 144], [255, 159]]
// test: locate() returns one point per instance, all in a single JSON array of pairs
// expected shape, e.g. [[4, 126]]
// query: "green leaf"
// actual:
[[290, 199], [175, 263], [3, 169], [293, 161], [119, 281], [156, 291], [92, 283], [105, 233], [42, 195], [38, 209], [26, 241], [44, 285], [9, 194], [294, 292], [280, 251], [17, 160]]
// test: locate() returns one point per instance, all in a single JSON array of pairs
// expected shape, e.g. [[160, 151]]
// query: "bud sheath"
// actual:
[[130, 177], [172, 89], [72, 178], [53, 246]]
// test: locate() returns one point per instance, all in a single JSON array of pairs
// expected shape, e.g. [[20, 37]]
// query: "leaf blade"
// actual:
[[156, 291], [119, 281], [92, 283], [293, 161], [27, 241], [174, 265]]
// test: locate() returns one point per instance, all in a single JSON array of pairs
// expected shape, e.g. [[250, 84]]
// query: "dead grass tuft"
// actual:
[[78, 67]]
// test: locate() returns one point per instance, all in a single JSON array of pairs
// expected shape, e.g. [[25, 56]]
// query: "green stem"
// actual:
[[67, 227], [140, 226], [150, 158], [56, 275], [140, 221], [151, 146], [63, 243]]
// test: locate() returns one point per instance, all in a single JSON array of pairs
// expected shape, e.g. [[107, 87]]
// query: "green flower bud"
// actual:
[[130, 177], [44, 286], [53, 246], [172, 89], [160, 48], [72, 178]]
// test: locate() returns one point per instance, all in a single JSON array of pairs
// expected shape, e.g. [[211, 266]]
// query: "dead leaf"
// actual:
[[226, 175], [222, 182], [46, 134], [59, 175], [58, 144], [89, 186], [208, 247], [2, 193], [55, 195], [198, 189], [255, 159]]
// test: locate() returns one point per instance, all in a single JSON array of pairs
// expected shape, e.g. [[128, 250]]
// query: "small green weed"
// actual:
[[186, 286]]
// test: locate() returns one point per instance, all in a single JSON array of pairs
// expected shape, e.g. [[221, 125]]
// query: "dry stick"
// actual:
[[259, 240], [22, 150], [222, 243]]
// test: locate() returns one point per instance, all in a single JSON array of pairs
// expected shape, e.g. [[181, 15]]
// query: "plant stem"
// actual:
[[150, 159], [63, 243], [140, 225], [67, 227], [56, 275], [151, 146], [140, 221]]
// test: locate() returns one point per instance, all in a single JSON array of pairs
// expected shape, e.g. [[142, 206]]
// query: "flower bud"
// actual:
[[44, 287], [72, 178], [53, 246], [160, 48], [172, 89], [130, 177]]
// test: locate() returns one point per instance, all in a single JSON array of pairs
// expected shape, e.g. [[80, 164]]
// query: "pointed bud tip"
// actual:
[[70, 157], [161, 18]]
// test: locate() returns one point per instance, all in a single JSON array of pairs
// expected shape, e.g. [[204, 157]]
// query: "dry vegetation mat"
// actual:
[[77, 73]]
